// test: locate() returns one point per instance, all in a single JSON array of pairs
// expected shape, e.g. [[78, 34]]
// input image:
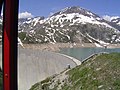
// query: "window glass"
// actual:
[[1, 20], [57, 36]]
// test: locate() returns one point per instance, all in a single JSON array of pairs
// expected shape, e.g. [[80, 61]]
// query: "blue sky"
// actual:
[[45, 7]]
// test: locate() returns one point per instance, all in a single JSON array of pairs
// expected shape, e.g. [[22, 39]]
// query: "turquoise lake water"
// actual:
[[83, 53]]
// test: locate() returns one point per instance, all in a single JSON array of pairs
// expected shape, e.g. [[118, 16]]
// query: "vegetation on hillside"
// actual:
[[102, 72]]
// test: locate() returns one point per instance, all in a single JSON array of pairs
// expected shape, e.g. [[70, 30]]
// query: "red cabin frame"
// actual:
[[10, 34]]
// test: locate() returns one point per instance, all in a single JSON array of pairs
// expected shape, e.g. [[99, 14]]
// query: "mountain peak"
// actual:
[[76, 9]]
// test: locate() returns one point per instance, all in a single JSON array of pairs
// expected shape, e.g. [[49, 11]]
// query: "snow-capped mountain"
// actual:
[[113, 21], [116, 20], [72, 24], [29, 22]]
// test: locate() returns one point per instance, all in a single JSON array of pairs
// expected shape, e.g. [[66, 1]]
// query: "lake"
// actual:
[[82, 53]]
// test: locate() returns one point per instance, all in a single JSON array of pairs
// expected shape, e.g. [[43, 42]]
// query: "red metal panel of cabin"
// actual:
[[10, 29]]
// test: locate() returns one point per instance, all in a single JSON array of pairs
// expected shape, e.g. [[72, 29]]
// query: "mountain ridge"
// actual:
[[69, 25]]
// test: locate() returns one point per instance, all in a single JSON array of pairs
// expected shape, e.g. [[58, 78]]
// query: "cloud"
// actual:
[[51, 13], [25, 15], [109, 18], [114, 17], [106, 17]]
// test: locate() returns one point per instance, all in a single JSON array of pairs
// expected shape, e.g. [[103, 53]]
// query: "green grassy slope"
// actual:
[[101, 72]]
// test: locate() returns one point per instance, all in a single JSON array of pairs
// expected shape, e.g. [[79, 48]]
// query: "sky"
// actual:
[[33, 8]]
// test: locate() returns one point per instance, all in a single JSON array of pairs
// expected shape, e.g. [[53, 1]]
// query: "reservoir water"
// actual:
[[78, 53], [82, 53]]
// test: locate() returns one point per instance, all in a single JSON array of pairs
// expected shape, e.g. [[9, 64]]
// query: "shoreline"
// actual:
[[56, 47]]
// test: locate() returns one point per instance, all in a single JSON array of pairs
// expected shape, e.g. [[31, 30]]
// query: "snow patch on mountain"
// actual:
[[77, 18]]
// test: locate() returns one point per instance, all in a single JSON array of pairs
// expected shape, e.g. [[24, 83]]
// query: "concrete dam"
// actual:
[[36, 65]]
